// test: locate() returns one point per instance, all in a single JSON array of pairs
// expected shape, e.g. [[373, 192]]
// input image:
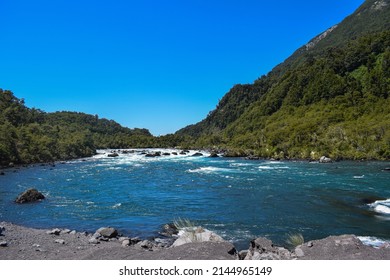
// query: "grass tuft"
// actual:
[[295, 239]]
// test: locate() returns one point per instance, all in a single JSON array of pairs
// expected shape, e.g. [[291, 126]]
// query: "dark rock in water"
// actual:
[[30, 195], [214, 155], [113, 155], [386, 169], [252, 158], [2, 173], [156, 154], [371, 199], [174, 153], [169, 230], [107, 232], [166, 154], [143, 153], [197, 155], [183, 153]]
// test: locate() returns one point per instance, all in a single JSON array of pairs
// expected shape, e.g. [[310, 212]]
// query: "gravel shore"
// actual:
[[22, 243]]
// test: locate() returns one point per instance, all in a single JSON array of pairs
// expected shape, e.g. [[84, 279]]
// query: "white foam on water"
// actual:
[[117, 205], [209, 169], [239, 164], [381, 206], [374, 241], [267, 167], [358, 177]]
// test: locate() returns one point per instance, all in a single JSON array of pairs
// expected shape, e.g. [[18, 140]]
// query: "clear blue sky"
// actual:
[[159, 65]]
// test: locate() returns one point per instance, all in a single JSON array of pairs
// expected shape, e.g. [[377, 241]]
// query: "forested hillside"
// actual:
[[30, 135], [330, 97]]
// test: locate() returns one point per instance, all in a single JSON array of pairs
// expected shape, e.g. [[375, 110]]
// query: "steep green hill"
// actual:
[[330, 97], [30, 135]]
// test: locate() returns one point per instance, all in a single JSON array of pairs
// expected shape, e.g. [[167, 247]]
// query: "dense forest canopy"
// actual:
[[31, 135], [330, 97]]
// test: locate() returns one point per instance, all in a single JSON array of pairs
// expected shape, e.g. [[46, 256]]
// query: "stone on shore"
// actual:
[[60, 241], [30, 195], [169, 230], [3, 244], [107, 232], [263, 249], [343, 247], [196, 236], [55, 231], [325, 159]]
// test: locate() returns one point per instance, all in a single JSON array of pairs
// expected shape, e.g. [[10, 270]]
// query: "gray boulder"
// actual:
[[30, 195], [325, 159], [197, 155], [343, 247], [107, 232], [263, 249], [197, 235]]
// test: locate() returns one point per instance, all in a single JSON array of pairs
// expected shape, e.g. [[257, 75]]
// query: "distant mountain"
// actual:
[[330, 97], [31, 135]]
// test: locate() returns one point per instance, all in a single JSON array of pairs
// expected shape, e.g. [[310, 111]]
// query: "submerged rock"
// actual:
[[30, 195]]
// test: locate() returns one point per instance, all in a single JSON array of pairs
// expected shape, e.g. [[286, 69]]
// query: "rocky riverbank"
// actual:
[[22, 243]]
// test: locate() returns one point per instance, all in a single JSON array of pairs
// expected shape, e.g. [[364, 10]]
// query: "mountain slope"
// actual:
[[329, 97]]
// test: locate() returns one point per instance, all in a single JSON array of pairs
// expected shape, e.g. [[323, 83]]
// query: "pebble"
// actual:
[[126, 243], [3, 244], [93, 241], [73, 232], [59, 241], [55, 231], [65, 231], [299, 252], [310, 244]]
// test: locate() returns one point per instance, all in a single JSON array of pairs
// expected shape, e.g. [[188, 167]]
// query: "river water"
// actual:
[[237, 198]]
